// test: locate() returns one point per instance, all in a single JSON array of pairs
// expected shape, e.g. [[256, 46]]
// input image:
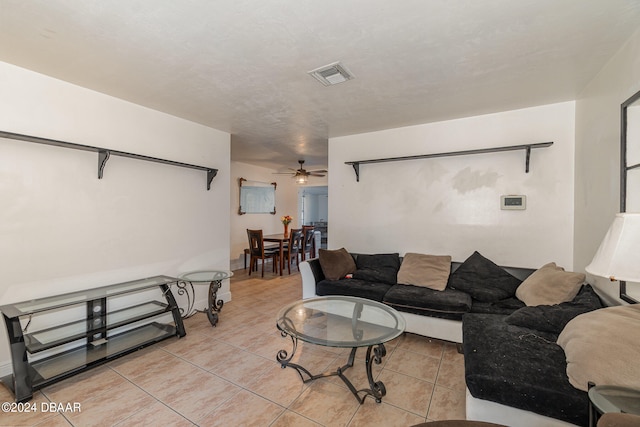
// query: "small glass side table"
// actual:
[[604, 398], [214, 278]]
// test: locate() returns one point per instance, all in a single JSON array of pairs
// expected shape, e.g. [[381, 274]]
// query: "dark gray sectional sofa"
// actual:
[[513, 366]]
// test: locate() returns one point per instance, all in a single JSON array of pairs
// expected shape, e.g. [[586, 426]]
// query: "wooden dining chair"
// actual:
[[258, 251], [308, 242], [294, 248]]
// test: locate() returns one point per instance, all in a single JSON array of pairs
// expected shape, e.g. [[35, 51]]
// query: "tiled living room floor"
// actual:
[[228, 376]]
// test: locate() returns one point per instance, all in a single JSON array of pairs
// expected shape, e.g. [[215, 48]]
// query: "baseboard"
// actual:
[[5, 368]]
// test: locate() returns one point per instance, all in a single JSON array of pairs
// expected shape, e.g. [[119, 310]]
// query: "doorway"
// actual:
[[313, 209]]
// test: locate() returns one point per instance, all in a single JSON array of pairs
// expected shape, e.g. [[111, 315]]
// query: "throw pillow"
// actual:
[[336, 264], [379, 268], [483, 279], [550, 285], [553, 318], [429, 271], [602, 346]]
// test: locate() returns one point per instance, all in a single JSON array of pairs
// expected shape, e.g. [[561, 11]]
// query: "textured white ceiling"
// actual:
[[241, 65]]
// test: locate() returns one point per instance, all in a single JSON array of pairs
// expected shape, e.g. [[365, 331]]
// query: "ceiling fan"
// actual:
[[301, 175]]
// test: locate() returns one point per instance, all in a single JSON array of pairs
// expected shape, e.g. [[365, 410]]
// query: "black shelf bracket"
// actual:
[[104, 154], [526, 147]]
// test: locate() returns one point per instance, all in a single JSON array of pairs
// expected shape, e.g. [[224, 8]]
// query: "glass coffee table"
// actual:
[[341, 321], [214, 278]]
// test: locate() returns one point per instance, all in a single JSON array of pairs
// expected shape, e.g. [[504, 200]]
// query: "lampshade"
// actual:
[[618, 256], [301, 179]]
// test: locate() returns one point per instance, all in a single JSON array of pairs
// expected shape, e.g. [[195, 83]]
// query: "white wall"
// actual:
[[62, 229], [286, 204], [452, 205], [597, 195]]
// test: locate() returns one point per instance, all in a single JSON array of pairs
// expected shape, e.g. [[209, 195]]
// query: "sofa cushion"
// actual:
[[483, 279], [353, 288], [430, 271], [519, 367], [553, 318], [447, 304], [550, 285], [380, 268], [504, 306], [336, 263], [602, 346]]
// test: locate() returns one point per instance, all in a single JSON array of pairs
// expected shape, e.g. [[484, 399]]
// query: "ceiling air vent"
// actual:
[[331, 74]]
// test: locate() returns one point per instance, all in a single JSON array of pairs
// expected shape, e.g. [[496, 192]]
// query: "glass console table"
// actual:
[[56, 337], [341, 321], [214, 278]]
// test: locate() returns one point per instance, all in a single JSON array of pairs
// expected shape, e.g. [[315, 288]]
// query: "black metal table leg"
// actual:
[[214, 305], [376, 390]]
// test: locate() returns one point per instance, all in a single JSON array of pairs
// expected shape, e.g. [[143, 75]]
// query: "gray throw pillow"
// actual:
[[378, 268], [483, 279]]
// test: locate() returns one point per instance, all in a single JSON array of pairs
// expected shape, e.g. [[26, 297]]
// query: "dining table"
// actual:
[[281, 239]]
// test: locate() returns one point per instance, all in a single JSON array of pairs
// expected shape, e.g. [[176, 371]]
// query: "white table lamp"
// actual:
[[618, 256]]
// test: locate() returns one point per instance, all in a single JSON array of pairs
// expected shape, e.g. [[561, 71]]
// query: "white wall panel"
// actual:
[[62, 229], [452, 205]]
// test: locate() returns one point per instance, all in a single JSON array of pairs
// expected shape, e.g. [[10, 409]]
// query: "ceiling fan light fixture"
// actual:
[[301, 179], [331, 74]]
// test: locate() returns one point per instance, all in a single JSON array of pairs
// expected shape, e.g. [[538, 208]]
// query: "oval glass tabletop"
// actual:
[[205, 275], [341, 321]]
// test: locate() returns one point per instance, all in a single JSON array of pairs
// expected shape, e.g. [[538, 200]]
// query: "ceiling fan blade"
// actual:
[[284, 173], [316, 174], [318, 171]]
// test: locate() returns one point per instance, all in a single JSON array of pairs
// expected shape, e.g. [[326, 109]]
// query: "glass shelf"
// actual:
[[64, 300], [52, 337], [109, 328], [48, 370]]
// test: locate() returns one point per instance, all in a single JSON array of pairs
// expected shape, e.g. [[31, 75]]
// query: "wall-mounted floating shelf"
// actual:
[[527, 147], [105, 153]]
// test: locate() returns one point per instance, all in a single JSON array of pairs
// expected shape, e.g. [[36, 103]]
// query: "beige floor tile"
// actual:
[[326, 404], [447, 404], [243, 409], [84, 386], [291, 419], [451, 352], [31, 415], [139, 362], [269, 344], [159, 381], [206, 353], [451, 374], [405, 392], [55, 421], [243, 337], [414, 364], [198, 395], [382, 414], [423, 345], [111, 407], [244, 368], [281, 386], [156, 414]]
